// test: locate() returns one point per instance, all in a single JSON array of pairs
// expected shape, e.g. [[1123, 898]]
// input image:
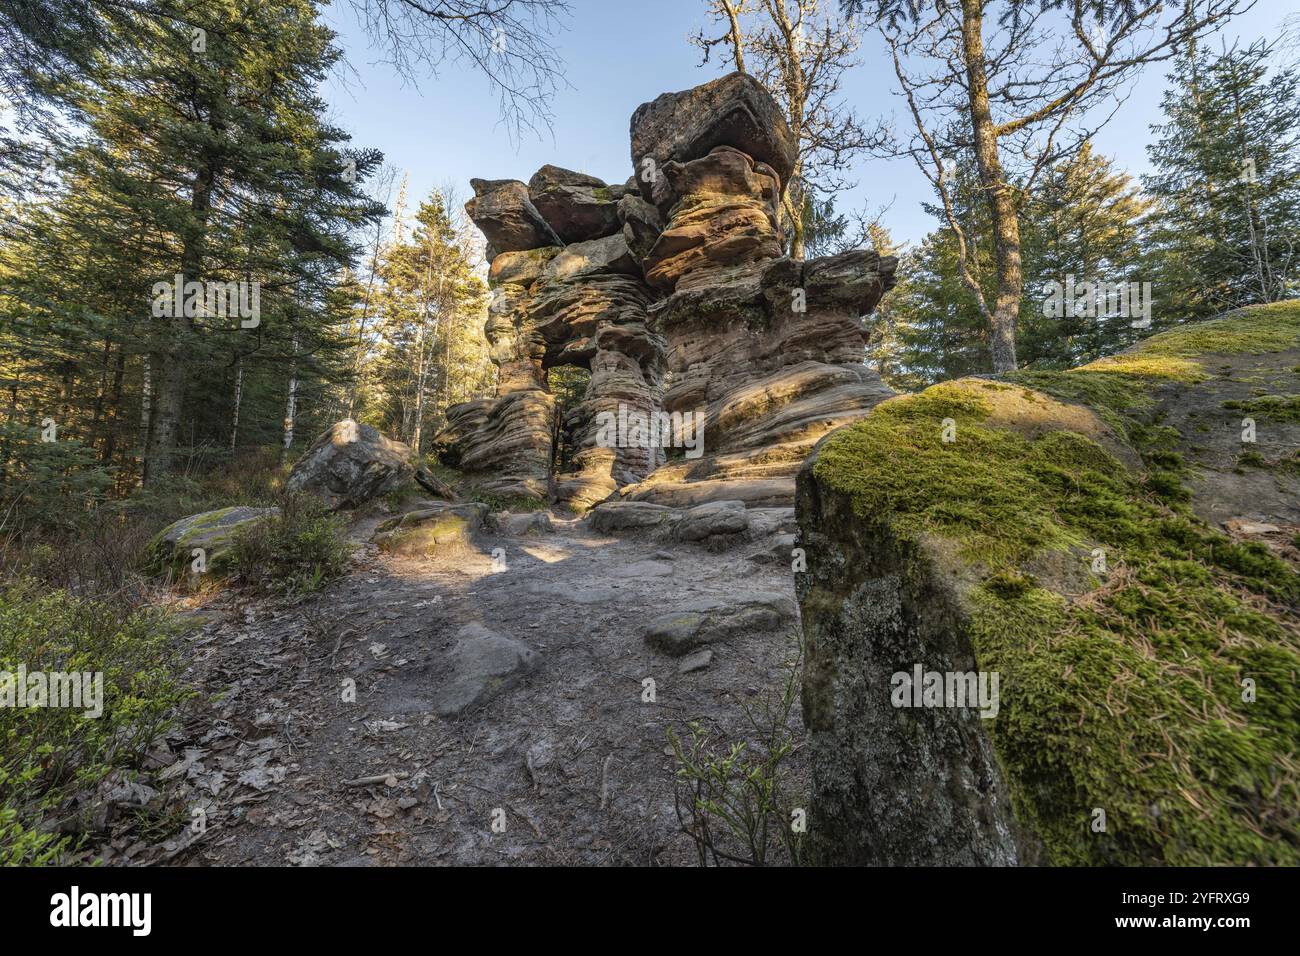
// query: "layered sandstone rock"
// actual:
[[582, 304], [768, 350], [679, 270], [732, 111], [577, 206], [503, 210]]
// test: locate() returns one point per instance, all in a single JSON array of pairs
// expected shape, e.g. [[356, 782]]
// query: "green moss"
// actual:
[[1274, 408], [1128, 698], [512, 503], [1120, 388], [1258, 328], [429, 537]]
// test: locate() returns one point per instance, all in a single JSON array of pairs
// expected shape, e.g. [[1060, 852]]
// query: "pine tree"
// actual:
[[208, 159], [1083, 224], [432, 306], [1227, 227]]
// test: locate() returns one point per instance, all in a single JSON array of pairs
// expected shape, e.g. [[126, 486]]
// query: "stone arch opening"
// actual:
[[568, 383]]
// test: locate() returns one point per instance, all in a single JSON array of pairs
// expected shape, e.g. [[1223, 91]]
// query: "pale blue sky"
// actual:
[[618, 54]]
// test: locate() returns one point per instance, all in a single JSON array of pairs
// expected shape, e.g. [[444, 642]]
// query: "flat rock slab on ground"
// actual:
[[714, 518], [744, 612], [483, 664], [442, 528]]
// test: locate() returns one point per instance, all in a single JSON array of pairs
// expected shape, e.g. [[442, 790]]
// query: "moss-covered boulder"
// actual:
[[438, 530], [212, 531], [1064, 539]]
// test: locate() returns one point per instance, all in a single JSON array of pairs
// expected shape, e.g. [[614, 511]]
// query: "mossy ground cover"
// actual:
[[48, 755], [1132, 698], [1278, 408]]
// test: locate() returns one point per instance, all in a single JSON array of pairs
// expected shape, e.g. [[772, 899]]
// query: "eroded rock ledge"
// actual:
[[1149, 662]]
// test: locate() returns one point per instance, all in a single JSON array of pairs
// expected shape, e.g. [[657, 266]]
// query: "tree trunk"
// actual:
[[170, 400], [146, 414], [1001, 202], [291, 405], [113, 414], [239, 395]]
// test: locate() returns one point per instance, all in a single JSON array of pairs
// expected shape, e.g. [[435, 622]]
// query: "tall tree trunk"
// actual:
[[174, 375], [1258, 245], [997, 191], [114, 412], [146, 414], [239, 396], [291, 404], [358, 359], [101, 393]]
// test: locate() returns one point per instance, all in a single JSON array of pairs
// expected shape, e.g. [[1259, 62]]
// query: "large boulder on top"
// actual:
[[350, 464], [733, 110], [577, 206], [502, 210], [596, 257]]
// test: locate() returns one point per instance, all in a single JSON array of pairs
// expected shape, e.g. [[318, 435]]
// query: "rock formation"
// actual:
[[1061, 531], [680, 270], [581, 304]]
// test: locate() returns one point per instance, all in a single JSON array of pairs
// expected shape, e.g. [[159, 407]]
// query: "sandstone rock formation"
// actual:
[[681, 270], [504, 211], [770, 349], [349, 464], [1063, 536]]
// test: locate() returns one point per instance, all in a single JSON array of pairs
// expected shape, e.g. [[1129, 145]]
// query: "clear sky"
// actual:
[[620, 53]]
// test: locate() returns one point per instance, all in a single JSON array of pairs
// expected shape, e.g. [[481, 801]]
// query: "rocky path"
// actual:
[[503, 710]]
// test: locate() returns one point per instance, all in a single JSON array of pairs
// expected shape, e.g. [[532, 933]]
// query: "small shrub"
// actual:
[[48, 755], [732, 798], [295, 552], [46, 485]]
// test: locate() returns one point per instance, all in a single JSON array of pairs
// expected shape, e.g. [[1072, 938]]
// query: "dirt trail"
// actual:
[[572, 754]]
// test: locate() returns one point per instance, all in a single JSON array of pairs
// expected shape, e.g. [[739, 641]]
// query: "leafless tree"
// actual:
[[508, 41], [1019, 85], [800, 54]]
